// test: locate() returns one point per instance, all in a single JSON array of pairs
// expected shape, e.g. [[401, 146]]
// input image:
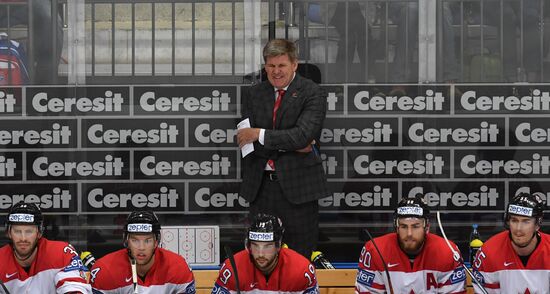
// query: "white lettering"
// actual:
[[110, 103]]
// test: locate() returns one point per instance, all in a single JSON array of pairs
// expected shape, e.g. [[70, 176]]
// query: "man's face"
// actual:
[[411, 234], [142, 247], [24, 238], [522, 229], [264, 255], [280, 70]]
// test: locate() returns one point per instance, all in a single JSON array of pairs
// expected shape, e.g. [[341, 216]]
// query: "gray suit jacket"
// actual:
[[299, 121]]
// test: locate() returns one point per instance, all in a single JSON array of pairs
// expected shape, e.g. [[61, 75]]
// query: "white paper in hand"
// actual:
[[248, 148]]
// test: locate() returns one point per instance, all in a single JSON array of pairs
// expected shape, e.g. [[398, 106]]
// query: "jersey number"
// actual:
[[365, 258], [310, 276]]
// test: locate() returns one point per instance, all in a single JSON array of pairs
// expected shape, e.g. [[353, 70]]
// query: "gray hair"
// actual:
[[277, 47]]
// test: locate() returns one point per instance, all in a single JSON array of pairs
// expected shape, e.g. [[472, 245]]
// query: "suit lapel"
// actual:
[[292, 96]]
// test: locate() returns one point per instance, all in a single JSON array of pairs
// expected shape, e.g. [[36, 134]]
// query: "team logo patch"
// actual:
[[140, 228], [190, 288], [219, 290], [312, 290], [75, 265], [260, 236], [407, 210], [479, 277], [21, 218], [520, 210], [365, 278], [459, 275]]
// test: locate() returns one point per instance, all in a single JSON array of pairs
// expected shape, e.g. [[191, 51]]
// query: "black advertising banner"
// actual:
[[359, 132], [40, 134], [398, 163], [463, 196], [502, 164], [127, 197], [417, 99], [11, 166], [58, 198], [93, 165], [216, 197], [173, 148], [502, 99], [335, 99], [360, 197], [146, 133], [11, 101], [186, 100], [187, 164], [453, 131], [77, 101], [213, 132]]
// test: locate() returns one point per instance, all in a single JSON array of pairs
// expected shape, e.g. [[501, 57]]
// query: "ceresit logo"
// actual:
[[204, 133], [379, 197], [21, 218], [8, 167], [205, 198], [218, 101], [58, 198], [408, 210], [140, 228], [485, 133], [432, 101], [163, 198], [165, 133], [110, 102], [57, 135], [536, 165], [7, 102], [379, 133], [431, 165], [520, 210], [219, 165], [260, 236], [484, 197], [538, 101], [111, 166]]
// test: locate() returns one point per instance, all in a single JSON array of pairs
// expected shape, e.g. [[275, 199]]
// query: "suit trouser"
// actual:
[[301, 221]]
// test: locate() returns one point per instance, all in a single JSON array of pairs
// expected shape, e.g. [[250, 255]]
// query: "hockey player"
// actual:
[[34, 264], [417, 261], [517, 260], [265, 266], [157, 270]]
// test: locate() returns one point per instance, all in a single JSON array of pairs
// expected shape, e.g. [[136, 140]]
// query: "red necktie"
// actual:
[[280, 94]]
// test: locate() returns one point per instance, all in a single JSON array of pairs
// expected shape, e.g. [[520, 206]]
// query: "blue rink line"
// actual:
[[338, 265]]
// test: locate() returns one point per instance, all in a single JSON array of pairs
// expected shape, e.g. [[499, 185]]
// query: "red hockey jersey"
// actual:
[[433, 270], [502, 271], [57, 268], [293, 274], [169, 274]]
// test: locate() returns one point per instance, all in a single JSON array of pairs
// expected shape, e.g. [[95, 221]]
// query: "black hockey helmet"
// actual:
[[265, 228], [525, 204], [23, 213], [412, 207], [142, 222]]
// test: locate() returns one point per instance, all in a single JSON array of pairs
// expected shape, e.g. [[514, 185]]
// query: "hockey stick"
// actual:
[[457, 257], [229, 254], [383, 261], [4, 287], [134, 274]]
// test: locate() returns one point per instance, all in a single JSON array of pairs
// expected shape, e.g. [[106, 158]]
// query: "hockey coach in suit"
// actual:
[[284, 175]]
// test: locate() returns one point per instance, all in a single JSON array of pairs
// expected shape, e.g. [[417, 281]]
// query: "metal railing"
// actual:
[[369, 41]]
